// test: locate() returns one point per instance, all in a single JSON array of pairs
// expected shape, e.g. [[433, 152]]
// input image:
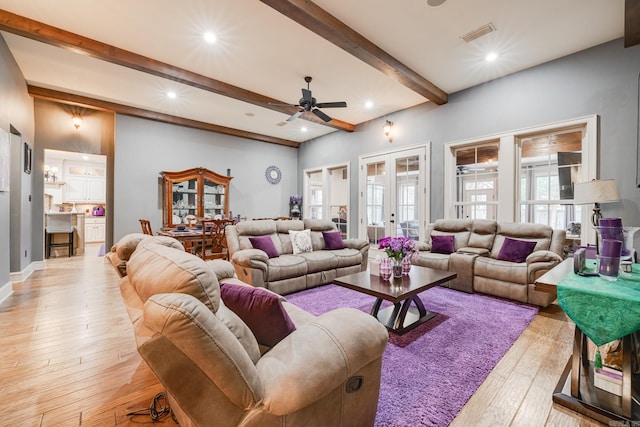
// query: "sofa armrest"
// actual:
[[358, 244], [253, 258], [423, 246], [543, 256], [338, 352], [223, 269]]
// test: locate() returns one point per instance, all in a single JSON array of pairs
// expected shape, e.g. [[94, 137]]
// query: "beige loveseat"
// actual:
[[287, 272], [325, 372], [477, 244]]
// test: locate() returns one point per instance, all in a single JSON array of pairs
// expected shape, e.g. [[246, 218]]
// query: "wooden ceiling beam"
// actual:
[[631, 23], [57, 37], [97, 104], [327, 26]]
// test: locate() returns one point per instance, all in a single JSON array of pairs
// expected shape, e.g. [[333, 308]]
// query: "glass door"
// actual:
[[394, 197]]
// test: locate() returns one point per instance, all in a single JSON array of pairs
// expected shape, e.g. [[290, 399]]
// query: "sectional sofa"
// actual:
[[284, 271], [500, 259]]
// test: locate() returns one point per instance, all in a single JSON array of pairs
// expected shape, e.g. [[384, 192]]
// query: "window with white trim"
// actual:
[[476, 181]]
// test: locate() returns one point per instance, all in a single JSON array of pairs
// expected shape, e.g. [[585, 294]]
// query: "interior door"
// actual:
[[394, 194]]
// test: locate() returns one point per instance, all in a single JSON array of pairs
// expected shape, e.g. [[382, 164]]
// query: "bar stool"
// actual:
[[59, 223]]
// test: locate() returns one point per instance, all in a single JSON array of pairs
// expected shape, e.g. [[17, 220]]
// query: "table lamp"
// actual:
[[596, 192]]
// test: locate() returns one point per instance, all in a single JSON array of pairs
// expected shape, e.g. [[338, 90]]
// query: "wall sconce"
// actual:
[[388, 127], [76, 120], [50, 173]]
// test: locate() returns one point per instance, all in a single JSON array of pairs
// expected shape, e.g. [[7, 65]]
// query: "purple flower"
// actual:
[[398, 247]]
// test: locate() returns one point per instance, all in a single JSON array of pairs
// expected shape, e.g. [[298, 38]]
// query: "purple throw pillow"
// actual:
[[260, 310], [264, 243], [333, 240], [442, 243], [515, 250]]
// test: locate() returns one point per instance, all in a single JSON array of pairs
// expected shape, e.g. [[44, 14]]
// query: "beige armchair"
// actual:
[[326, 372]]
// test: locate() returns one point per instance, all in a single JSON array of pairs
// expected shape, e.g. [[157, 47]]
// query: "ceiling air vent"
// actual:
[[479, 32]]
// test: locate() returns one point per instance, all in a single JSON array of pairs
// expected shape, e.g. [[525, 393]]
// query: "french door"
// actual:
[[393, 195]]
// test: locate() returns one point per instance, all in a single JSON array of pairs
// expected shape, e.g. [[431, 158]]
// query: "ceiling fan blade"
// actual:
[[322, 115], [331, 104], [306, 95], [295, 116]]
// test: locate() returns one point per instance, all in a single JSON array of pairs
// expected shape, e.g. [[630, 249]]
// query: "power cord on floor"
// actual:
[[159, 408]]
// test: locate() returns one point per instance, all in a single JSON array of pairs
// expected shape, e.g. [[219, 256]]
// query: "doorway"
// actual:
[[76, 183], [393, 194]]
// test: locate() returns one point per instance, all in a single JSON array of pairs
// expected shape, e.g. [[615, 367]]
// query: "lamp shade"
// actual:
[[596, 191]]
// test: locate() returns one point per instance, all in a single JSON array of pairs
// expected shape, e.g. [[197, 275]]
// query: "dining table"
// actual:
[[189, 237]]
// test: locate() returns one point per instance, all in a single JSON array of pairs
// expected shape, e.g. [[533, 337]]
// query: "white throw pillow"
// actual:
[[301, 241]]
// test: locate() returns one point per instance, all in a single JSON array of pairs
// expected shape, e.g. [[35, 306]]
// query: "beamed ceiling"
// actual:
[[124, 56]]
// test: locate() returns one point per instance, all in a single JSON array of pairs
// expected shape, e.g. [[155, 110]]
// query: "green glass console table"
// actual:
[[603, 310]]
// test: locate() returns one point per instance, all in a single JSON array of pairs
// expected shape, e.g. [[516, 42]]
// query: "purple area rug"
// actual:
[[429, 373]]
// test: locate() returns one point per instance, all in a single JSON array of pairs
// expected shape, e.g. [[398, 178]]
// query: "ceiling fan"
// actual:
[[309, 103]]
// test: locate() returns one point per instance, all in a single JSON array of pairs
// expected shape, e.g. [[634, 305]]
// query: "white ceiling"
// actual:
[[263, 51]]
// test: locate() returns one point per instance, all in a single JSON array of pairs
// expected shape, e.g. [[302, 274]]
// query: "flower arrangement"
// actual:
[[397, 248], [295, 200]]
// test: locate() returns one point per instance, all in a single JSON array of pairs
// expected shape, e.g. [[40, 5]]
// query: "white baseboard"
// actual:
[[5, 291], [21, 276]]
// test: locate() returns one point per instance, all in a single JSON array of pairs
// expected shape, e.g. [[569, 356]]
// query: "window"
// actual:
[[327, 195], [549, 167], [532, 177], [477, 181]]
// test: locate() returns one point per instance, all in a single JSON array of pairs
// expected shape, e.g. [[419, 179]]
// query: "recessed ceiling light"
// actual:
[[85, 157], [491, 56], [303, 129], [210, 37], [368, 104], [171, 95]]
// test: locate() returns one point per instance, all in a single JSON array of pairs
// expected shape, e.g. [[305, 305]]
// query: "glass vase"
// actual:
[[406, 265], [396, 265], [385, 268]]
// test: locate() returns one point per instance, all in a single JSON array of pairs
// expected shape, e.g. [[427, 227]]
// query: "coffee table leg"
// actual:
[[376, 308], [422, 312]]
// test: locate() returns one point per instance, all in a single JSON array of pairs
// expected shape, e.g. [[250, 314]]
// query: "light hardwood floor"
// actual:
[[68, 358]]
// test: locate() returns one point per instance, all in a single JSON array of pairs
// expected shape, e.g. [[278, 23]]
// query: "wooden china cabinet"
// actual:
[[196, 192]]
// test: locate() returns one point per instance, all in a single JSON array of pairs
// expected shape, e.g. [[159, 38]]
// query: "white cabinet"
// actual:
[[84, 183], [94, 229]]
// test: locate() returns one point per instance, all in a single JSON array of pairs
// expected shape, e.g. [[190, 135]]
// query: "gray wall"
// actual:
[[54, 131], [602, 80], [144, 148], [16, 109]]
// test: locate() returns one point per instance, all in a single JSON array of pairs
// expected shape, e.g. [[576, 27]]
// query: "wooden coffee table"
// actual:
[[402, 316]]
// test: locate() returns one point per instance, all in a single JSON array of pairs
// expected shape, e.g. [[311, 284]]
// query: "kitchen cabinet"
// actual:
[[84, 183], [94, 229], [197, 192]]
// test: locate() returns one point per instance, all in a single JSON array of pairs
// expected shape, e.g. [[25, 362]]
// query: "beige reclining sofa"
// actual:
[[475, 256], [325, 372], [288, 272]]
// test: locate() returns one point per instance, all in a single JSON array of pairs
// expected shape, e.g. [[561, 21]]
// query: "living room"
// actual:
[[600, 82]]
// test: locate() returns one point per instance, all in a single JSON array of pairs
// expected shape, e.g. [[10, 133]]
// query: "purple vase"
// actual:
[[385, 268]]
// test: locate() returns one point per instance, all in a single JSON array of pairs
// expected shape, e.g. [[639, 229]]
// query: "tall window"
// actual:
[[549, 167], [315, 194], [477, 181], [327, 195]]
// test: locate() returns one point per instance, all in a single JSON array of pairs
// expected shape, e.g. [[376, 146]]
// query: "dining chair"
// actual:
[[146, 226], [214, 241]]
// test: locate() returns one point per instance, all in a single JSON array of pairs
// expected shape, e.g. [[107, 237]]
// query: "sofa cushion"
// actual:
[[261, 310], [286, 266], [320, 261], [264, 243], [442, 243], [515, 250], [501, 271], [347, 257], [332, 240], [301, 241]]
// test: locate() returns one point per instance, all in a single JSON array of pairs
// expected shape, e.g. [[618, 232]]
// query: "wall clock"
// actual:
[[273, 175]]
